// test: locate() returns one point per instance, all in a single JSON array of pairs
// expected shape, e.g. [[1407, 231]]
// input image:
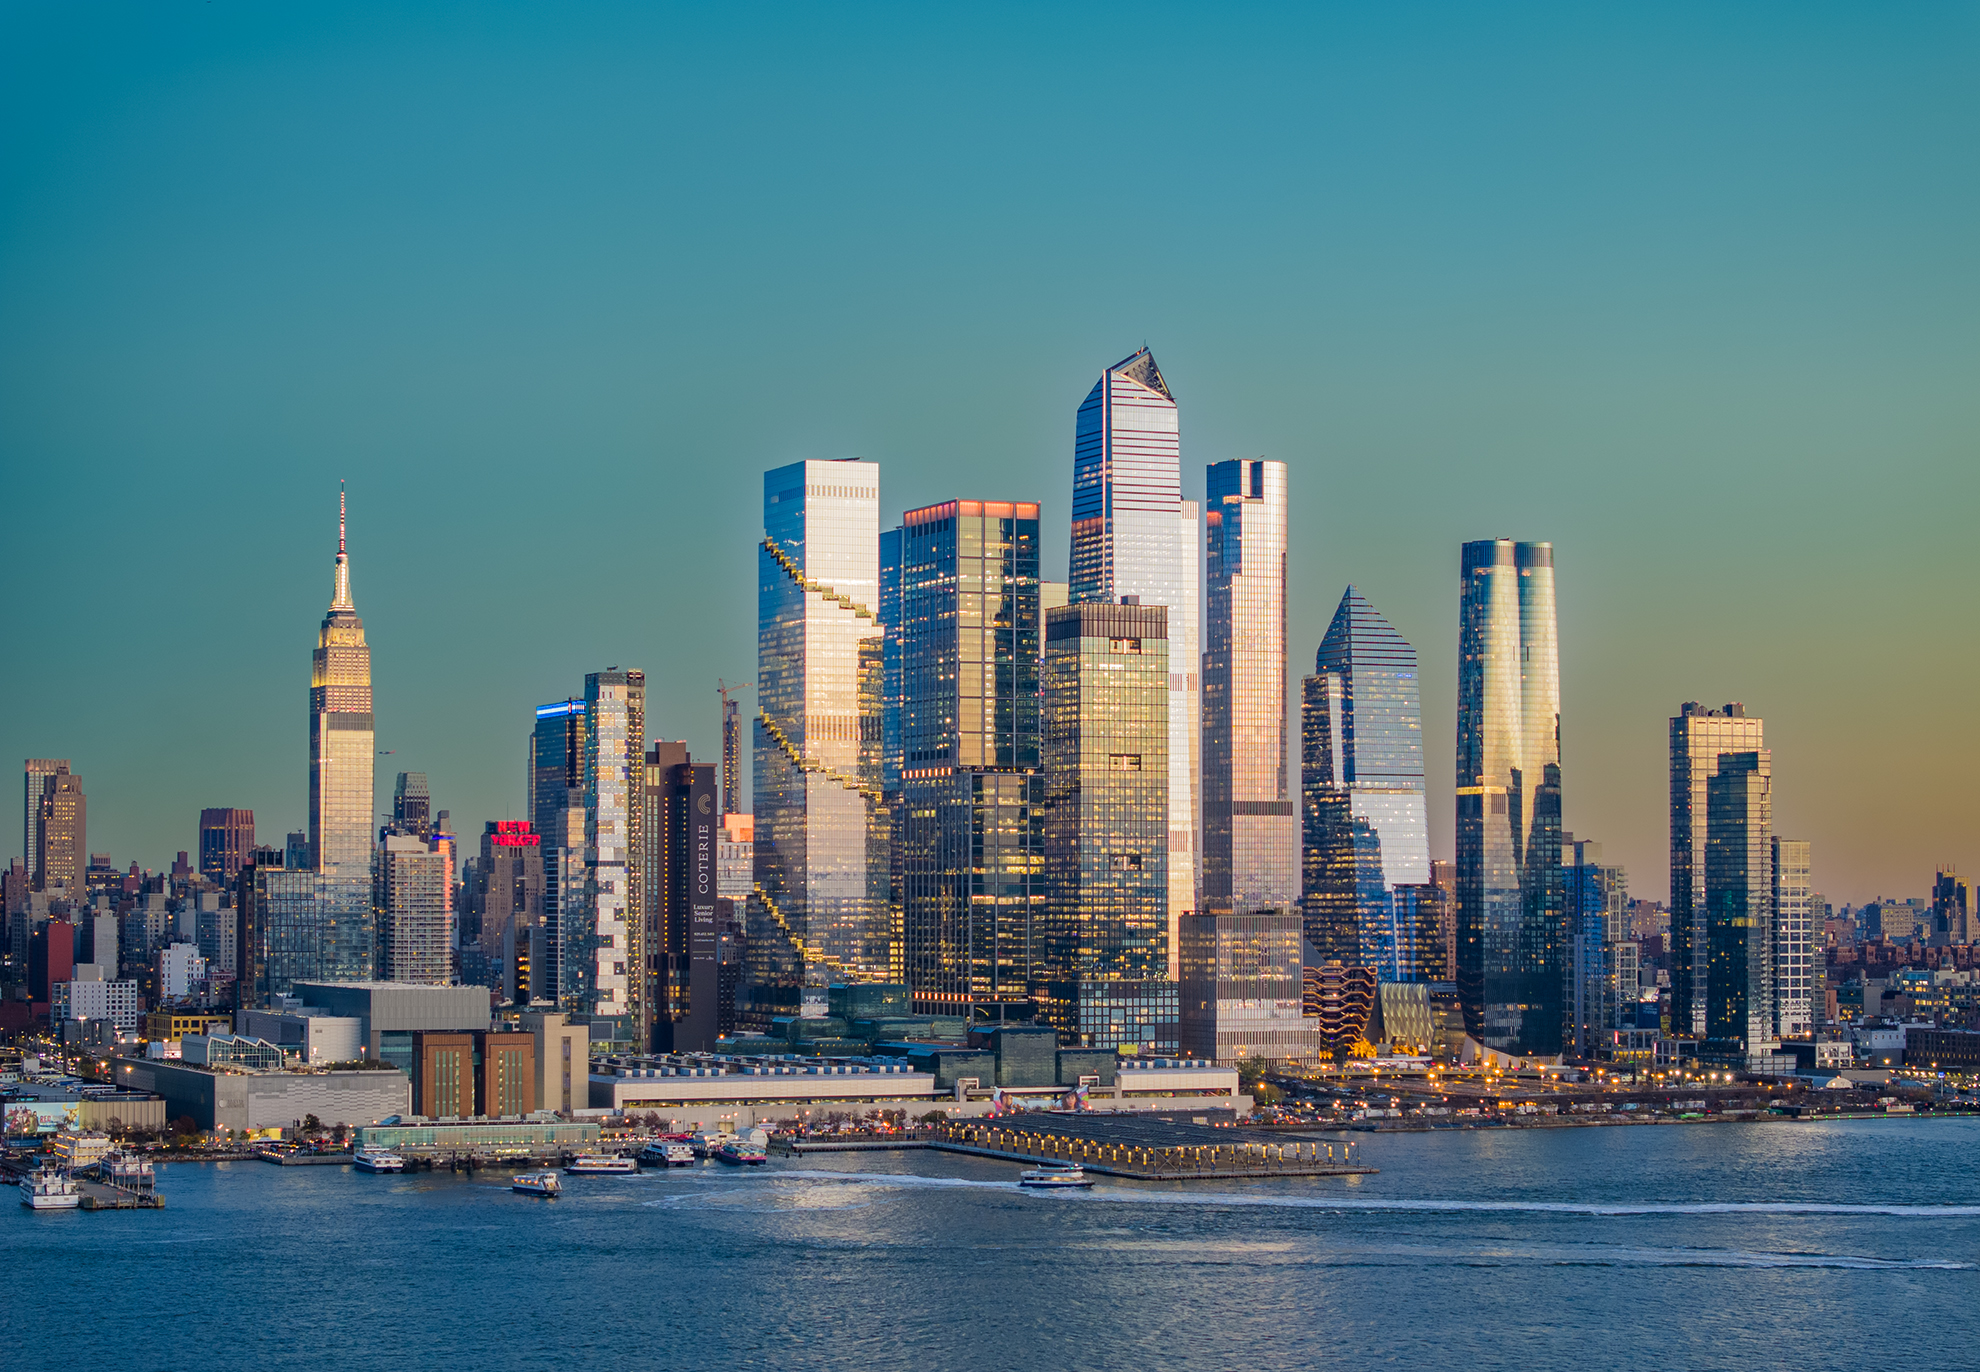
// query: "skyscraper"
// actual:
[[1134, 535], [37, 770], [731, 752], [341, 748], [614, 770], [1242, 988], [1739, 902], [412, 804], [1951, 914], [968, 832], [1250, 835], [1366, 842], [1105, 761], [682, 831], [415, 913], [62, 831], [226, 843], [1796, 936], [1595, 898], [1699, 736], [556, 798], [1510, 926], [509, 913], [822, 868]]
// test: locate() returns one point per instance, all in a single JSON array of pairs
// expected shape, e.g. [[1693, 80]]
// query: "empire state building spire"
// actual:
[[341, 599]]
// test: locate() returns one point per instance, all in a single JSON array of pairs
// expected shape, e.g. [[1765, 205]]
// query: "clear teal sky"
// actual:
[[1691, 291]]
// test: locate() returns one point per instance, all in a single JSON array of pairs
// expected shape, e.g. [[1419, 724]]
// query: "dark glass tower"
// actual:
[[1510, 921], [1739, 888], [556, 797], [968, 814]]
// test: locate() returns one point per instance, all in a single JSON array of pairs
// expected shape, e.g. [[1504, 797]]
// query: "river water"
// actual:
[[1831, 1244]]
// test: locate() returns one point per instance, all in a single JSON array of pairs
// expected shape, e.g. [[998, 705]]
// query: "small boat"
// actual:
[[543, 1184], [740, 1153], [50, 1188], [587, 1164], [667, 1153], [1055, 1176], [377, 1160]]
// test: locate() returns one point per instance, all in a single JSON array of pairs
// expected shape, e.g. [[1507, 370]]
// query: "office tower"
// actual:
[[1699, 737], [508, 906], [1134, 535], [968, 829], [1250, 835], [1242, 988], [415, 920], [1107, 815], [1739, 900], [1509, 916], [556, 798], [1443, 876], [226, 838], [1950, 912], [341, 747], [36, 770], [412, 805], [1365, 850], [1595, 898], [295, 849], [731, 751], [1796, 936], [822, 865], [614, 769], [683, 830], [62, 830]]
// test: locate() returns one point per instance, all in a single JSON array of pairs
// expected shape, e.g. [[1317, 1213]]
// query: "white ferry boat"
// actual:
[[131, 1171], [667, 1153], [50, 1188], [741, 1153], [588, 1164], [377, 1160], [1055, 1176], [543, 1184]]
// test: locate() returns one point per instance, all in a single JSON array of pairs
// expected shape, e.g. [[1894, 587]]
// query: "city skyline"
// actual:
[[1435, 314]]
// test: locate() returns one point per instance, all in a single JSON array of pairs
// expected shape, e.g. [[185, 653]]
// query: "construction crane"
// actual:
[[731, 743]]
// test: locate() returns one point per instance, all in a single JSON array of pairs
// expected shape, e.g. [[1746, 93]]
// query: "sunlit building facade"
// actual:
[[821, 910], [1365, 845], [1250, 834], [1795, 938], [1511, 928], [1699, 736], [414, 912], [968, 828], [1107, 814], [614, 773], [342, 751], [1242, 988], [1134, 535]]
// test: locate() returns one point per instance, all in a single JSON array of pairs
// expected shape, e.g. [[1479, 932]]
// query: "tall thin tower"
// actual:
[[731, 745], [1134, 535], [342, 751], [1510, 916]]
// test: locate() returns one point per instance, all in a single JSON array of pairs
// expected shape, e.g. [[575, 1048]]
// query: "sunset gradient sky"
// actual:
[[1689, 290]]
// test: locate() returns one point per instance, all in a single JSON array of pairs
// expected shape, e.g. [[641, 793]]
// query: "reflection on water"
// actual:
[[1537, 1248]]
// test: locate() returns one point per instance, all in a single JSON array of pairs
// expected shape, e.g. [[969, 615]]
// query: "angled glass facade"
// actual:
[[1699, 736], [968, 834], [1250, 834], [556, 797], [822, 911], [1106, 782], [1365, 845], [1134, 535], [1510, 922]]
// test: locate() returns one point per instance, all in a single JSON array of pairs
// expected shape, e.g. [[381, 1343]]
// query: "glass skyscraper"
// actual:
[[1739, 900], [1595, 898], [1134, 535], [1365, 843], [968, 831], [822, 910], [1699, 736], [556, 798], [1250, 836], [614, 777], [1107, 813], [1510, 921]]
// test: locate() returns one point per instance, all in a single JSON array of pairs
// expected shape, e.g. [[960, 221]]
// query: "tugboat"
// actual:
[[544, 1184], [588, 1164], [377, 1160], [1055, 1176], [50, 1188]]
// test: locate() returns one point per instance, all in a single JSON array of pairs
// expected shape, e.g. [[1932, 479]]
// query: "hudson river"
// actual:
[[1844, 1245]]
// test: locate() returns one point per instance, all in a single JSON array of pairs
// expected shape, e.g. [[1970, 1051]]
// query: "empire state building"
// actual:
[[341, 751]]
